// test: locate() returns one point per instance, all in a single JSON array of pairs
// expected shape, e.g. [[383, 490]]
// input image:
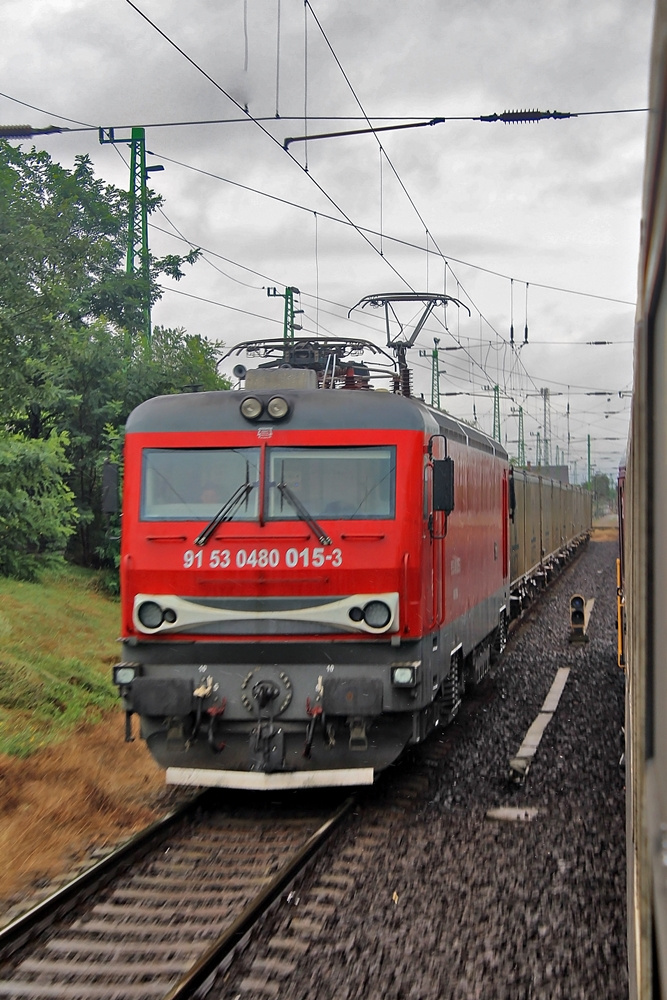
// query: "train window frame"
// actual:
[[361, 452], [202, 509]]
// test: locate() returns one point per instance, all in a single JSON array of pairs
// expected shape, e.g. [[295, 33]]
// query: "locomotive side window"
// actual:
[[191, 484], [335, 483]]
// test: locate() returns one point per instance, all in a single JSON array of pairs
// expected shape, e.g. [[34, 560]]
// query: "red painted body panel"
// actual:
[[438, 579], [365, 556], [476, 553]]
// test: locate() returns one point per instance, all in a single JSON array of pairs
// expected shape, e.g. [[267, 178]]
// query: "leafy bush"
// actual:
[[37, 511]]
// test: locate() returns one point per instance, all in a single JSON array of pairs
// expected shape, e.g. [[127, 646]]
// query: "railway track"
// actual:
[[169, 913], [175, 902], [429, 893]]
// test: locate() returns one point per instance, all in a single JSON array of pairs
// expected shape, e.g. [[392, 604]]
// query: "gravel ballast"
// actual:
[[441, 899]]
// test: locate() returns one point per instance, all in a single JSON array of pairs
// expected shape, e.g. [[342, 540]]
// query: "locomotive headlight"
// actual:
[[251, 408], [150, 614], [377, 614], [356, 614], [277, 408], [124, 673], [403, 676]]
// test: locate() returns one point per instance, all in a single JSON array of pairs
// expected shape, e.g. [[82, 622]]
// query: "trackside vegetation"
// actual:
[[73, 366], [57, 645]]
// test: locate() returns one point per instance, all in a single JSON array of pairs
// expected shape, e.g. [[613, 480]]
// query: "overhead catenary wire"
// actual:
[[266, 132], [508, 117], [476, 393], [386, 236], [278, 59], [547, 286], [509, 395], [308, 6], [184, 123], [427, 231], [411, 201], [380, 233], [305, 81], [580, 389]]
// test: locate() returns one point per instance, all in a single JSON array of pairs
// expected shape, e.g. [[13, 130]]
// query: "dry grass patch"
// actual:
[[68, 781], [605, 533], [89, 790]]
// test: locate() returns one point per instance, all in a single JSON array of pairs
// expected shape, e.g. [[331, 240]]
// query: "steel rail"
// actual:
[[20, 930], [209, 962]]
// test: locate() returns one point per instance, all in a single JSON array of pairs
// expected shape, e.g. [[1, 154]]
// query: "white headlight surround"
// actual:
[[180, 614]]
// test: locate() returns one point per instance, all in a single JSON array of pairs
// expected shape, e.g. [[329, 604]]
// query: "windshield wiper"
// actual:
[[226, 512], [319, 533]]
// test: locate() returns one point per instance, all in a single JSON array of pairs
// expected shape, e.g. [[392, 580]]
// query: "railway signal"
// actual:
[[579, 615]]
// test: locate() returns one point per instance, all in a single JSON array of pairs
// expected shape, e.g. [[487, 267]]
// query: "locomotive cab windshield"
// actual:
[[219, 484], [193, 484]]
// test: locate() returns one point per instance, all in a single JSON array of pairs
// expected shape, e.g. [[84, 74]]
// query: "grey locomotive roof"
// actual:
[[321, 409]]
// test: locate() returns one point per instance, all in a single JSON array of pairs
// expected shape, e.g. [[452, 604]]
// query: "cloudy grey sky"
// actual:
[[545, 213]]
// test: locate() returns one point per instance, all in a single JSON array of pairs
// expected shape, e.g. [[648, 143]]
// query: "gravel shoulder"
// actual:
[[444, 901]]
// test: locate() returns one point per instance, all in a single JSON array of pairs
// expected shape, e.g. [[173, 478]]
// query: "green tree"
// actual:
[[603, 486], [37, 511], [66, 305], [102, 387]]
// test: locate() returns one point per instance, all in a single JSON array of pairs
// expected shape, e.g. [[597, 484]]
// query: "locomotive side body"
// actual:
[[475, 551], [645, 566], [298, 604]]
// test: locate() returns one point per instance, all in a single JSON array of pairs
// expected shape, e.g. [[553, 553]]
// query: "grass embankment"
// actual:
[[57, 645], [68, 781]]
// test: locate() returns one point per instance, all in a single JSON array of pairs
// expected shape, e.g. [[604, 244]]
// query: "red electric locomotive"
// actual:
[[311, 570]]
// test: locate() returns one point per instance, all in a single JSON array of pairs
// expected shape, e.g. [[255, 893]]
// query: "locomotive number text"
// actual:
[[292, 558]]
